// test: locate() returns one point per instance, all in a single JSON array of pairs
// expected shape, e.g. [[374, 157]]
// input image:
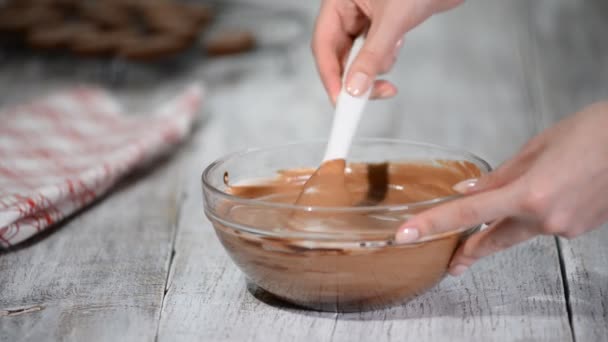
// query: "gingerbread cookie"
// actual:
[[167, 18], [201, 14], [100, 43], [22, 19], [56, 37], [153, 47], [230, 42], [105, 14], [59, 5], [143, 30]]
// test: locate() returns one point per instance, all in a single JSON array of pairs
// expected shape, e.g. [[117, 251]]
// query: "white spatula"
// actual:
[[327, 187], [347, 115]]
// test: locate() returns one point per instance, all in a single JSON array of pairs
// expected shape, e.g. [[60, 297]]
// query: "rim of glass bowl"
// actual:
[[359, 209]]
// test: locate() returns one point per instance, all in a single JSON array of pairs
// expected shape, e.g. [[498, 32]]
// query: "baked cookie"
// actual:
[[22, 19], [168, 18], [99, 42], [229, 42], [105, 14], [56, 37], [200, 14], [153, 47]]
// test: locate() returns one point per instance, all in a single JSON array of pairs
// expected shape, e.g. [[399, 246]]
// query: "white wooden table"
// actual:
[[143, 264]]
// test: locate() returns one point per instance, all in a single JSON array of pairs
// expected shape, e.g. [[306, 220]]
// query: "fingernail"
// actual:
[[387, 93], [457, 270], [465, 186], [406, 235], [358, 84]]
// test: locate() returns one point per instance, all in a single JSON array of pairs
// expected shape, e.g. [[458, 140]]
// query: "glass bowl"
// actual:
[[323, 268]]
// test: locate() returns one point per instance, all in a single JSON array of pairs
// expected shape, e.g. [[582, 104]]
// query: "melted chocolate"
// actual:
[[339, 271]]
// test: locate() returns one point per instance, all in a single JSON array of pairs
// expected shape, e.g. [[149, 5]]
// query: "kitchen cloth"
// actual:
[[61, 152]]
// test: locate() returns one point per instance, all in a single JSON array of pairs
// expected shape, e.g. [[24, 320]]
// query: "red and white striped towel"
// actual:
[[59, 153]]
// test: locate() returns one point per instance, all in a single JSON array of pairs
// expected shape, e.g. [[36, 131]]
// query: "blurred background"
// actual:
[[471, 78]]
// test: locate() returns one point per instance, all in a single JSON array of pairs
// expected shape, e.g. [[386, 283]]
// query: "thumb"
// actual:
[[508, 172], [463, 213]]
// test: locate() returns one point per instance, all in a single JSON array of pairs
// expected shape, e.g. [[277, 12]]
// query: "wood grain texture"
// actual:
[[585, 259], [461, 84], [485, 78], [99, 277], [569, 63]]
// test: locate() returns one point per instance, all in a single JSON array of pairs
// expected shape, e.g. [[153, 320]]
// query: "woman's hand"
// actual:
[[556, 185], [385, 21]]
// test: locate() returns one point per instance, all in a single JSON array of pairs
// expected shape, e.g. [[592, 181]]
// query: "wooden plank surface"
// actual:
[[462, 84], [484, 78], [585, 259], [571, 53], [100, 276]]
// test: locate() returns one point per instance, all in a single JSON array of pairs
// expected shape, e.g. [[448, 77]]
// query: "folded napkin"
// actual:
[[60, 153]]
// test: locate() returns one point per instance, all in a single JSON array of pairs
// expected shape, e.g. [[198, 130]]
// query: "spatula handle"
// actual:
[[348, 113]]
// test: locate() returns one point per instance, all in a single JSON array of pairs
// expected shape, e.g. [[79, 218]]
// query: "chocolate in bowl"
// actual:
[[337, 258]]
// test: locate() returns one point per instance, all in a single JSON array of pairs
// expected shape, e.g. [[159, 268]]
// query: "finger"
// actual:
[[389, 62], [383, 89], [330, 43], [506, 173], [499, 236], [393, 59], [461, 213], [378, 52], [503, 175]]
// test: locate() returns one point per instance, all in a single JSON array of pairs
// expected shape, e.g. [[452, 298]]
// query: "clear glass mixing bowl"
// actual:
[[324, 268]]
